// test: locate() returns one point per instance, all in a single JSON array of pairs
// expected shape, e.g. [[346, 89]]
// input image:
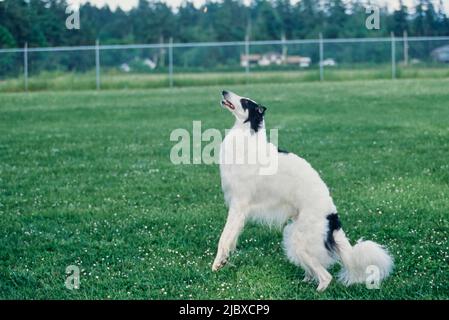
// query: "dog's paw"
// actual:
[[308, 278], [323, 284], [218, 264]]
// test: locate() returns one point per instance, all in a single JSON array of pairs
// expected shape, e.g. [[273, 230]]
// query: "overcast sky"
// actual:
[[128, 4]]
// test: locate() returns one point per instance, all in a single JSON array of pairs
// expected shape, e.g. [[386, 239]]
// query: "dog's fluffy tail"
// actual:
[[361, 260]]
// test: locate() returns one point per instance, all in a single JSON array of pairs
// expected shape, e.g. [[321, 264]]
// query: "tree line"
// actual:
[[42, 22]]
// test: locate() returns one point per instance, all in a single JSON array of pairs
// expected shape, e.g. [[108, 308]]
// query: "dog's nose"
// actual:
[[224, 93]]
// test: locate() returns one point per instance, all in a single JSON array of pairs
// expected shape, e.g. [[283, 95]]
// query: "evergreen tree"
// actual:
[[418, 24], [284, 10], [400, 19], [6, 39], [267, 24], [309, 19], [431, 19], [336, 17]]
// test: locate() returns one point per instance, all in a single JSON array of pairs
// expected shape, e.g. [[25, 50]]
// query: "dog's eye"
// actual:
[[261, 109]]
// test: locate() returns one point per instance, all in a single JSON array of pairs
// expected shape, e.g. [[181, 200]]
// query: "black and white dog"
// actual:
[[295, 193]]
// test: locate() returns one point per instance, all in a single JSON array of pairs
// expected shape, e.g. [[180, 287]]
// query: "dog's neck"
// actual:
[[246, 127], [242, 128]]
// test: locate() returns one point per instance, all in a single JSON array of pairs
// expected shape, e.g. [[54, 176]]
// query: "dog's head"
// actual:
[[244, 109]]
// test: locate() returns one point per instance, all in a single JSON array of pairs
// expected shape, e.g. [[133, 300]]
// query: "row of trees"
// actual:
[[42, 22]]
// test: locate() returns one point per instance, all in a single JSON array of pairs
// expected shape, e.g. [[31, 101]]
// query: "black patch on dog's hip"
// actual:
[[334, 224], [282, 151]]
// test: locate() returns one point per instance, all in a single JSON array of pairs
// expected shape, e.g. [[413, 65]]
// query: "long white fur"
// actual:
[[295, 193]]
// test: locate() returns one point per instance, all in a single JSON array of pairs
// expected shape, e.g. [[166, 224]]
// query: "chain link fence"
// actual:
[[103, 66]]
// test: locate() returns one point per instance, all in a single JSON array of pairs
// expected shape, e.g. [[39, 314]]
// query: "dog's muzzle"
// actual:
[[225, 102], [228, 104]]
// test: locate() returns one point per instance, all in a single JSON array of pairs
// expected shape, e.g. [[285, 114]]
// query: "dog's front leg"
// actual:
[[229, 236]]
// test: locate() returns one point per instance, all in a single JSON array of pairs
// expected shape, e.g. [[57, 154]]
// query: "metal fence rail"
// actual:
[[245, 45]]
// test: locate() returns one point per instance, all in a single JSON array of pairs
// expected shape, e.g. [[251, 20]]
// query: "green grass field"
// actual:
[[86, 180], [115, 80]]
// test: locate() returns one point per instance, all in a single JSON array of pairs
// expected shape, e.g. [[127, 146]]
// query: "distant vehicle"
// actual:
[[328, 63], [125, 67], [441, 54]]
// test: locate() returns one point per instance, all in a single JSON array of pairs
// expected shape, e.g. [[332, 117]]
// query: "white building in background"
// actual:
[[303, 62], [150, 64], [250, 59], [274, 58]]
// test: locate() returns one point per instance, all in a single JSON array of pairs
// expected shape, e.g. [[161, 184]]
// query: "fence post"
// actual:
[[393, 56], [170, 62], [284, 49], [97, 63], [247, 54], [321, 58], [405, 48], [25, 65]]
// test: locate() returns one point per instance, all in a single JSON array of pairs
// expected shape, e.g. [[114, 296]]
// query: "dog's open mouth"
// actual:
[[228, 104]]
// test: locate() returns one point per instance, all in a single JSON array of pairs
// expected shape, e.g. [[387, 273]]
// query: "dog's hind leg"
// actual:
[[228, 239], [317, 270], [296, 249], [323, 276], [308, 277]]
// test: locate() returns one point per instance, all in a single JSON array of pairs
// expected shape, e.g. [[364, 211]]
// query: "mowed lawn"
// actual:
[[86, 180]]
